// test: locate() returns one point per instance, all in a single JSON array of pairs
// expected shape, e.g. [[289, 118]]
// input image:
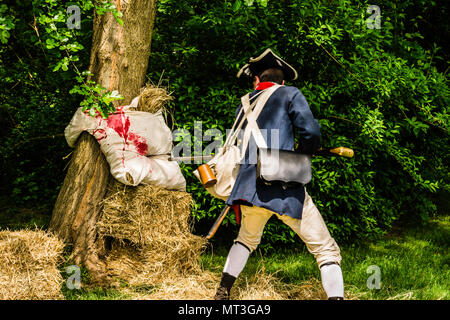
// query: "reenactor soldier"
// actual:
[[257, 201]]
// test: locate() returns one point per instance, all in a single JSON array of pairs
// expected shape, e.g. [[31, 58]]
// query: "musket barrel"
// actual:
[[191, 158]]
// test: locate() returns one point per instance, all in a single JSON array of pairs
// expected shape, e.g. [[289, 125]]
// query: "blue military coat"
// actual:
[[287, 111]]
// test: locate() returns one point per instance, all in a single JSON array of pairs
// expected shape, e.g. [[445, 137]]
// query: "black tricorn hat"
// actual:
[[264, 61]]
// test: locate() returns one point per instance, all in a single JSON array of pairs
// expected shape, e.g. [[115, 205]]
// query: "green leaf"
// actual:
[[237, 5]]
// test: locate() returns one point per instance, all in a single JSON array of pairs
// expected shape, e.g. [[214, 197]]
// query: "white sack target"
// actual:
[[135, 143]]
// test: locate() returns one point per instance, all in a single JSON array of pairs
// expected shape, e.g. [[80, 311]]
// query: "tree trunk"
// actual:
[[119, 60]]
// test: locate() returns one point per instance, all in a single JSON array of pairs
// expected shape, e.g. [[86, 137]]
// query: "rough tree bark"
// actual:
[[119, 60]]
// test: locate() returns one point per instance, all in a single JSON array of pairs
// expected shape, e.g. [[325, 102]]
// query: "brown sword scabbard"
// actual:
[[218, 222]]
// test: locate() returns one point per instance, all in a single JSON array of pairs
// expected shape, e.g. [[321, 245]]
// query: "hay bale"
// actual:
[[29, 265], [151, 232], [190, 287], [262, 286], [266, 286], [153, 98], [144, 214], [154, 251]]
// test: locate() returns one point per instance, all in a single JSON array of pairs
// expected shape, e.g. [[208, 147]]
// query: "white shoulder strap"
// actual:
[[246, 108], [252, 126]]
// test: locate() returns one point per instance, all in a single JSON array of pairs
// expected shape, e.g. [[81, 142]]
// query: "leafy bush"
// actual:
[[382, 92], [40, 79]]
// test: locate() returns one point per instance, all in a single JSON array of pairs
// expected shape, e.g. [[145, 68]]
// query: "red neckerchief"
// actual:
[[265, 85]]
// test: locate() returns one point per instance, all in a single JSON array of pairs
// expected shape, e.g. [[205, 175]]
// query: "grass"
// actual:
[[413, 263], [14, 218]]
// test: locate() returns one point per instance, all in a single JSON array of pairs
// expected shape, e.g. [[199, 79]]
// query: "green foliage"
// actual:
[[382, 92], [58, 36], [98, 100], [6, 24], [39, 66]]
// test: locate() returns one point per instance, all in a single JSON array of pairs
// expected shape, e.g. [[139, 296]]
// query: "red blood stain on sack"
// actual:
[[99, 134], [139, 142], [120, 123]]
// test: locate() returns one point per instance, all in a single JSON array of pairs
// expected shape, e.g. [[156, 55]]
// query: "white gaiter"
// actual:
[[332, 280], [236, 260]]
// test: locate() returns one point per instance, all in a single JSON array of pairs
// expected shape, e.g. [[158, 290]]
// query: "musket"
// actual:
[[339, 151], [218, 222], [191, 158]]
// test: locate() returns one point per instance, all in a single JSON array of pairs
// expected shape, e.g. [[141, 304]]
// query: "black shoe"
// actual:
[[222, 294]]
